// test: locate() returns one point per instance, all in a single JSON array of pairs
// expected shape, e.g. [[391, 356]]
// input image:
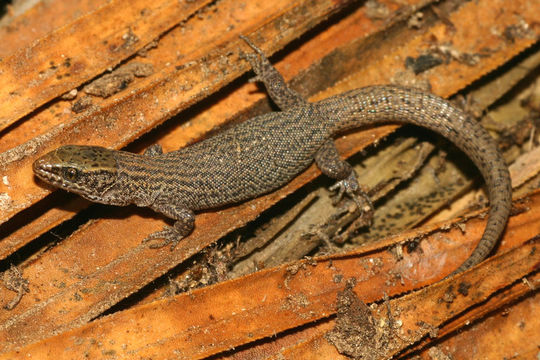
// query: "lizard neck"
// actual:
[[136, 178], [150, 180]]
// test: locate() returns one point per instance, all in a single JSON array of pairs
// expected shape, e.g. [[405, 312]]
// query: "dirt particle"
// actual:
[[5, 201], [422, 63], [357, 332], [144, 51], [521, 30], [463, 288], [14, 281], [449, 295], [70, 95], [296, 303], [128, 39], [82, 104], [376, 10], [118, 80]]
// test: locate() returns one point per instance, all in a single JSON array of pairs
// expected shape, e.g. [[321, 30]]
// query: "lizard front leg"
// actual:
[[185, 221], [279, 91]]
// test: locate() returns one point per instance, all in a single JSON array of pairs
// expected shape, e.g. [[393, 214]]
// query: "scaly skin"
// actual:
[[265, 152]]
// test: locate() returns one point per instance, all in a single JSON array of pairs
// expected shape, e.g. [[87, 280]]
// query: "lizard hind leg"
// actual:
[[328, 161]]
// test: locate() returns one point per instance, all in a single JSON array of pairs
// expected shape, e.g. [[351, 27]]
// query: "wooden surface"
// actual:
[[194, 52]]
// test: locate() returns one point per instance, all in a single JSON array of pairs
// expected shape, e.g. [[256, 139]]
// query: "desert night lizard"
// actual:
[[267, 151]]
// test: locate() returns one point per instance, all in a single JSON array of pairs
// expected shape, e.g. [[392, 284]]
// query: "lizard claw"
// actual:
[[169, 234], [351, 187]]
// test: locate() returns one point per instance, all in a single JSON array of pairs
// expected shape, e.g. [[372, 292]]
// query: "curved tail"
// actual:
[[383, 104]]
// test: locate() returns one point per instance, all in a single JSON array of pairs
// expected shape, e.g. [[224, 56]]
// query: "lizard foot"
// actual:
[[169, 234], [258, 61], [351, 187]]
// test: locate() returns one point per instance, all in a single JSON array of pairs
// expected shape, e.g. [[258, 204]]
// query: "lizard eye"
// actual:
[[71, 174]]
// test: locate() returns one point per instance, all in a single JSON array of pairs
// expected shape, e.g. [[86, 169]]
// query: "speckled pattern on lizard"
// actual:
[[264, 153]]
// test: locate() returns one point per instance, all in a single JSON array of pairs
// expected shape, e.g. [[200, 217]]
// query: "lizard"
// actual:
[[267, 151]]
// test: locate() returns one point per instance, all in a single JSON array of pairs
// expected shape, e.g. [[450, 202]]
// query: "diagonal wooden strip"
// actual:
[[498, 301], [85, 244], [307, 342], [357, 25], [103, 265], [508, 333], [226, 315], [525, 167], [463, 291], [24, 25], [156, 98], [471, 35], [103, 38], [424, 311]]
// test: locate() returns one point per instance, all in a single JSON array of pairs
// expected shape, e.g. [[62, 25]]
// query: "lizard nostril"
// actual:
[[45, 162]]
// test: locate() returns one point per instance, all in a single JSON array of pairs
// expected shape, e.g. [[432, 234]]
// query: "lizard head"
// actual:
[[89, 171]]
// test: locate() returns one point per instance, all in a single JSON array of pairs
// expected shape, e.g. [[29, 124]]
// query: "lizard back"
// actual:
[[250, 159]]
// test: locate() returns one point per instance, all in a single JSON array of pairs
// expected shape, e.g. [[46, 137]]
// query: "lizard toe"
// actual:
[[169, 235], [354, 191]]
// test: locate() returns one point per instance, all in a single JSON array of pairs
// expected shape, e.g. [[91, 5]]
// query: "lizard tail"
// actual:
[[386, 103]]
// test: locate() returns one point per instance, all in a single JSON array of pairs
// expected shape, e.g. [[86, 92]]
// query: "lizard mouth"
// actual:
[[43, 171], [46, 172]]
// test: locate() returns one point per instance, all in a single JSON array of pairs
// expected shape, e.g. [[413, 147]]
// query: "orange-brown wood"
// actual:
[[70, 55], [421, 313], [93, 269], [510, 332], [23, 26], [19, 174], [185, 71], [220, 317]]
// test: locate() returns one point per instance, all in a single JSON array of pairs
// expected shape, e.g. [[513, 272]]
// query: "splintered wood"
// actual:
[[106, 73]]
